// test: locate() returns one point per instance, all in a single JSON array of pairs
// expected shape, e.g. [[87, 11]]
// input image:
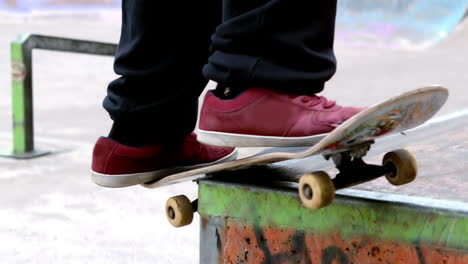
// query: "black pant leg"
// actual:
[[278, 44], [162, 49]]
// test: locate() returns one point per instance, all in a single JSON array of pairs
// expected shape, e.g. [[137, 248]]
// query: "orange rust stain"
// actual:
[[204, 222], [240, 245], [278, 242], [439, 256]]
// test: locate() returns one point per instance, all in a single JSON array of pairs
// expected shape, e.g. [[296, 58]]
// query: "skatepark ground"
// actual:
[[51, 211]]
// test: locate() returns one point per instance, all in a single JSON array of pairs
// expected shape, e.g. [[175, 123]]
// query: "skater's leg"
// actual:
[[270, 59], [278, 44], [162, 49]]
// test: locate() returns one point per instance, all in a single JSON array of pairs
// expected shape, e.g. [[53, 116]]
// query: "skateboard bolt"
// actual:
[[307, 190], [171, 212]]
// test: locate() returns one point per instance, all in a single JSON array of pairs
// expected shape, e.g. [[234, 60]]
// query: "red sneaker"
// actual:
[[117, 165], [266, 118]]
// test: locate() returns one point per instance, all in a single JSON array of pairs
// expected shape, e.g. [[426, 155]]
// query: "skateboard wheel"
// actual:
[[316, 190], [179, 211], [404, 165]]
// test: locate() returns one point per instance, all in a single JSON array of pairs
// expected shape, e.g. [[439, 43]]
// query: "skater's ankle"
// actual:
[[129, 136]]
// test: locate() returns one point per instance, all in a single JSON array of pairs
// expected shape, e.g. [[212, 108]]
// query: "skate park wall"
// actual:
[[55, 5], [363, 23], [397, 23]]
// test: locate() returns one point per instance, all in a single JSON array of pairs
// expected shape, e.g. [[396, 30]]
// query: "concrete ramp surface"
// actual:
[[397, 23]]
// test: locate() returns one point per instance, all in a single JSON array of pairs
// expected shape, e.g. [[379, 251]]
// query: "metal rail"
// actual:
[[22, 85]]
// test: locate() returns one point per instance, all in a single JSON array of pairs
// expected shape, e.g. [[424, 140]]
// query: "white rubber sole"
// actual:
[[241, 140], [126, 180]]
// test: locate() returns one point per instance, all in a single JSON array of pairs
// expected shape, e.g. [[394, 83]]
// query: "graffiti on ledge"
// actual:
[[240, 243]]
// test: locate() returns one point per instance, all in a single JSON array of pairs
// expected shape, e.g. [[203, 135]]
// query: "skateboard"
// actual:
[[346, 146]]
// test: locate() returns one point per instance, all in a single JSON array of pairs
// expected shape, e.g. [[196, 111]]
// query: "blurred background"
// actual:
[[29, 5]]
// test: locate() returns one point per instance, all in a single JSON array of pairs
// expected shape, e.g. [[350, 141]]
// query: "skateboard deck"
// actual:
[[346, 145]]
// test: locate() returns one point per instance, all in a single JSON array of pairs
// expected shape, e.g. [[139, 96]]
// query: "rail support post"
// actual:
[[22, 85]]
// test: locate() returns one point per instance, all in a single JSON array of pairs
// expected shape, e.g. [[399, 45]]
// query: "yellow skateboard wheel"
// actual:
[[316, 190], [405, 165], [179, 211]]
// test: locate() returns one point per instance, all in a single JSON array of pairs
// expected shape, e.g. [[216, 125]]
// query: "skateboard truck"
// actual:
[[357, 151], [317, 189], [354, 170]]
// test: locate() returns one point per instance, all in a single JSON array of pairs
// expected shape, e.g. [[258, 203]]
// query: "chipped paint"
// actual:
[[247, 243], [271, 226]]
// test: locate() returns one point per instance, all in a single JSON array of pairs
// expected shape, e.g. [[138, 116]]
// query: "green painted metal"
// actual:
[[282, 209], [22, 90], [19, 74]]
